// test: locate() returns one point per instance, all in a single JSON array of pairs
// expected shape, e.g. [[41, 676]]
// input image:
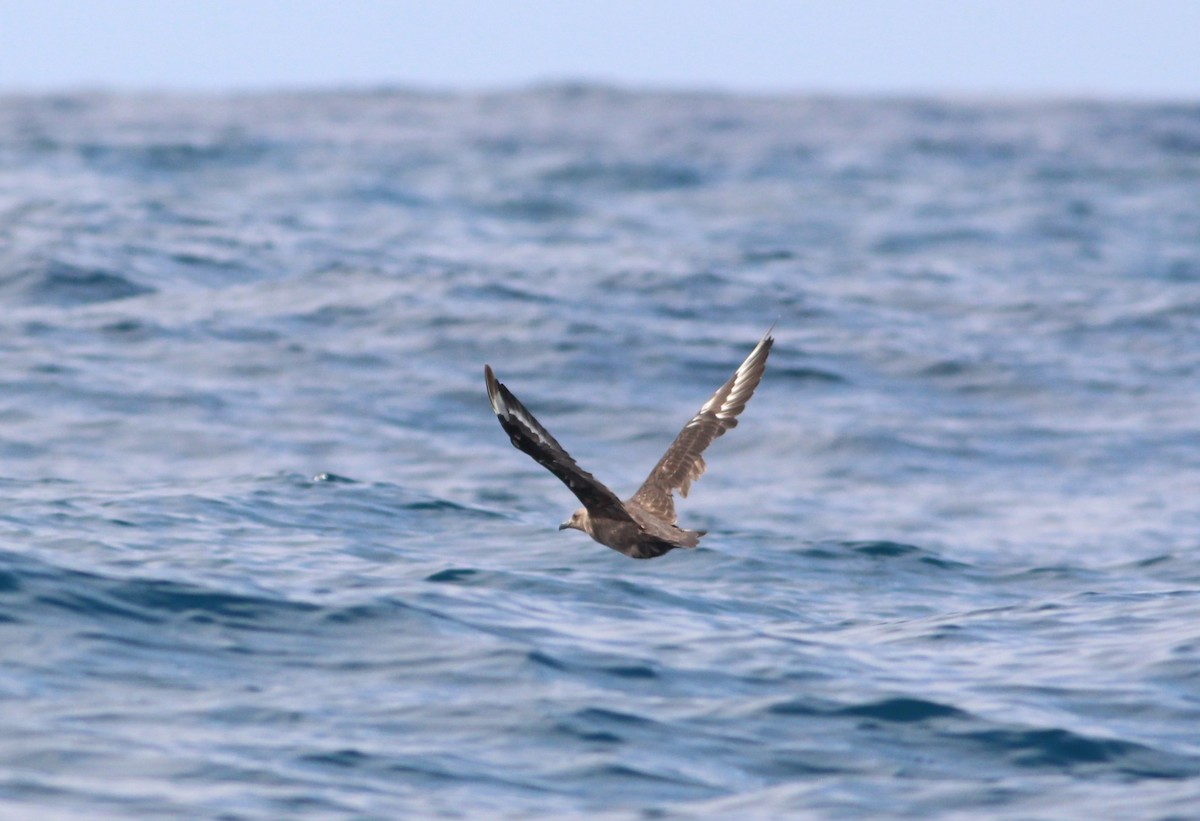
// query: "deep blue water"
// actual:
[[266, 552]]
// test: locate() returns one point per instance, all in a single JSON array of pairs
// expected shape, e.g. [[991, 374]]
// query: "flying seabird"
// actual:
[[643, 527]]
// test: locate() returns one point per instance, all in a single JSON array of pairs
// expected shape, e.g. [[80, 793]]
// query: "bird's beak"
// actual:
[[564, 525]]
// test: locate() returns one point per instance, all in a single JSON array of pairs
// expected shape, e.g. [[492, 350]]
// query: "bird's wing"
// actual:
[[528, 435], [683, 462]]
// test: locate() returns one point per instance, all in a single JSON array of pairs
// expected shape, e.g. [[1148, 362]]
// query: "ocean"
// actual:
[[266, 552]]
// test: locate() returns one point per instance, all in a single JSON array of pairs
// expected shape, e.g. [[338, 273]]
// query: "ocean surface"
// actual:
[[266, 553]]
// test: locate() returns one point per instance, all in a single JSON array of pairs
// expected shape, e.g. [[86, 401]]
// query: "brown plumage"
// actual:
[[642, 527]]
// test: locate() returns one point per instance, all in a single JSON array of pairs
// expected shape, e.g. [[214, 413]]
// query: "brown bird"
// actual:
[[643, 527]]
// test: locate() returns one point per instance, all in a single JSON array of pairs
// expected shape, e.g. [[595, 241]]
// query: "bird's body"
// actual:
[[643, 526], [639, 535]]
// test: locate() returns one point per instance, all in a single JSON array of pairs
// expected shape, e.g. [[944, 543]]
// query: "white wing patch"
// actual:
[[683, 463], [745, 380], [533, 428]]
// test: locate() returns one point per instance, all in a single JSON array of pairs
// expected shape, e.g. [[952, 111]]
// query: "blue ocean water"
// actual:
[[266, 552]]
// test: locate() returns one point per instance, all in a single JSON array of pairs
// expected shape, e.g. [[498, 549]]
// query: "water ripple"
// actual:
[[266, 553]]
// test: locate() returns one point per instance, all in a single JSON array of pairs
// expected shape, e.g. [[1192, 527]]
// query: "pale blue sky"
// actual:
[[1107, 48]]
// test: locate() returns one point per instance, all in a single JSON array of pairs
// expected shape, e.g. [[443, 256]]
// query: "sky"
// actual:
[[1125, 49]]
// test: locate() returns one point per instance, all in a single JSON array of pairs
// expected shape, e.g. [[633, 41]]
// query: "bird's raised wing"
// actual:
[[528, 435], [683, 462]]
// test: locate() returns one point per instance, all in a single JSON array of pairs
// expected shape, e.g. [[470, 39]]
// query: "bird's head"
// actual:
[[579, 521]]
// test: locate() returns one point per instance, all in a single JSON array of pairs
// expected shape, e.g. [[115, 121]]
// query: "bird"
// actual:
[[644, 525]]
